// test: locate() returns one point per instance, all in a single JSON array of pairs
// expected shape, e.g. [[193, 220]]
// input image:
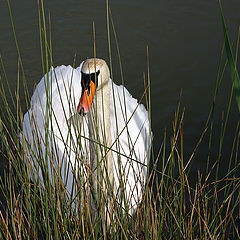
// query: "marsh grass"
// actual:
[[172, 206]]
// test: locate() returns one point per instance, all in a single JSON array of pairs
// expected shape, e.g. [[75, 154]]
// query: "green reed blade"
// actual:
[[231, 62]]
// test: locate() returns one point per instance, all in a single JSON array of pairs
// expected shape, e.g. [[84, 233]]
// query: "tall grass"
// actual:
[[172, 207]]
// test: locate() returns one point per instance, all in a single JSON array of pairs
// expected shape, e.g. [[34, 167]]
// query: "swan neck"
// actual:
[[103, 116]]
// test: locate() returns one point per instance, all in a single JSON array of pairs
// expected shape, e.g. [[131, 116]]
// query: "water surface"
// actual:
[[184, 40]]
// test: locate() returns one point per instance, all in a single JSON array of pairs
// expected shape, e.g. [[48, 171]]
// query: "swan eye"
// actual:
[[87, 78]]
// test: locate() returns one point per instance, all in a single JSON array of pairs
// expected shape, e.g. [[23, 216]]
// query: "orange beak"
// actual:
[[86, 98]]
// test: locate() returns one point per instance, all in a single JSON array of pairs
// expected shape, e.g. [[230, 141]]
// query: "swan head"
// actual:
[[94, 76]]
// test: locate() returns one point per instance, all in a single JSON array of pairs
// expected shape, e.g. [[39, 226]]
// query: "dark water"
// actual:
[[184, 39]]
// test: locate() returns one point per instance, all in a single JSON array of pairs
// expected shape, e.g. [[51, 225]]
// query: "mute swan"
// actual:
[[70, 106]]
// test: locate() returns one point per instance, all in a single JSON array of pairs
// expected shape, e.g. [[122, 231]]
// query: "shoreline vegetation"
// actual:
[[172, 206]]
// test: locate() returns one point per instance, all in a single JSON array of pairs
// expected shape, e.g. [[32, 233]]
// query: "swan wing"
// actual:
[[131, 137], [51, 118]]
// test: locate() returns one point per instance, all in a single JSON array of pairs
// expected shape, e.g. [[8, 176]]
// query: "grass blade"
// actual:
[[231, 62]]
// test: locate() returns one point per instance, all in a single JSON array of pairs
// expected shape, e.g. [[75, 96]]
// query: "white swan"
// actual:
[[117, 126]]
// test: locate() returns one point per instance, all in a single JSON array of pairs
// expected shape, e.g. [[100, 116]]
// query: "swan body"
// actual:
[[86, 121]]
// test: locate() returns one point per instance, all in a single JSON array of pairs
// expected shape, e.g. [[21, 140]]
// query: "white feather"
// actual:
[[61, 89]]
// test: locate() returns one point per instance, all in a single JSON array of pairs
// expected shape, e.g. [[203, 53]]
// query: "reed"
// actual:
[[172, 207]]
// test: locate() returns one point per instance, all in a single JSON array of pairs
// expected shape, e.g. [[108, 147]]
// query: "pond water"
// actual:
[[184, 39]]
